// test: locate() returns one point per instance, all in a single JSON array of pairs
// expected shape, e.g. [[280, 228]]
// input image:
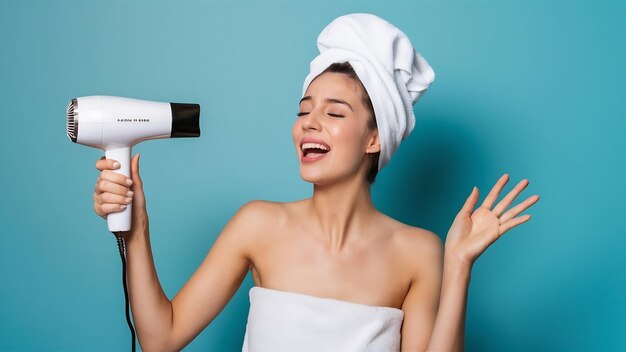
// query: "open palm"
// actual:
[[474, 230]]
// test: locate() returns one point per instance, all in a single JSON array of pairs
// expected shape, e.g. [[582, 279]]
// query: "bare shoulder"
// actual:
[[270, 212], [421, 248], [258, 219], [259, 212], [422, 241], [412, 236]]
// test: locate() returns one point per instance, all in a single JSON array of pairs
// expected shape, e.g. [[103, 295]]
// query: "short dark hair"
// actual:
[[346, 68]]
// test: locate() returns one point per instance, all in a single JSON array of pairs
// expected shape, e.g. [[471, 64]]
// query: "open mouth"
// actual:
[[313, 150]]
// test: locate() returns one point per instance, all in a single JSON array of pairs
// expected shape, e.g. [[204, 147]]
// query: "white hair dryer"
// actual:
[[115, 124]]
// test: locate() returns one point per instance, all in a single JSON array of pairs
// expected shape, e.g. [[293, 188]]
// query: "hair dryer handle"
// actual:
[[121, 220]]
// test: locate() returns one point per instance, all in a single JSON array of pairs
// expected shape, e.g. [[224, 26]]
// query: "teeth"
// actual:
[[314, 145]]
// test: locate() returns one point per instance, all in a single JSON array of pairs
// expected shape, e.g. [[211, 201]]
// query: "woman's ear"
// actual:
[[373, 145]]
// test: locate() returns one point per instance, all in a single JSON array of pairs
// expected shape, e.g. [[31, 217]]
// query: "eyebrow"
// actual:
[[329, 100]]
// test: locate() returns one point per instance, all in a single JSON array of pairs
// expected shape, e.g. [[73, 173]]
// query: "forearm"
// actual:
[[152, 310], [449, 328]]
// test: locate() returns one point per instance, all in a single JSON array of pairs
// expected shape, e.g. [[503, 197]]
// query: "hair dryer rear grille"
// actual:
[[72, 120]]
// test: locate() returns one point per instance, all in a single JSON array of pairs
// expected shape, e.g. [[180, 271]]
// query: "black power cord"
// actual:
[[122, 247]]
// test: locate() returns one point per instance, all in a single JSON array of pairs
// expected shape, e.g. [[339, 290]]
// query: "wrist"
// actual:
[[455, 262], [138, 231]]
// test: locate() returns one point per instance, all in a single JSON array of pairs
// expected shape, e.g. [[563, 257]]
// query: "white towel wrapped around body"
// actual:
[[288, 321], [394, 75]]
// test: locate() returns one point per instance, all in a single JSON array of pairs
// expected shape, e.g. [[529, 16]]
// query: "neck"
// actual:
[[342, 210]]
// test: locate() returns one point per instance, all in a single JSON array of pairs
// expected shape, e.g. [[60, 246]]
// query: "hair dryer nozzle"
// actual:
[[72, 120], [185, 120]]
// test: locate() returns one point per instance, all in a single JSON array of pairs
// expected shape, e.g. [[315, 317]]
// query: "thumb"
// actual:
[[134, 170], [139, 199], [470, 203]]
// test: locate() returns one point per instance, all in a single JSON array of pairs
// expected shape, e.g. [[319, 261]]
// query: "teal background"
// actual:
[[534, 89]]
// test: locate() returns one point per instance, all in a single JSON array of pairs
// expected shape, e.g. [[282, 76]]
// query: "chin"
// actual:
[[316, 178], [322, 177], [317, 175], [325, 172]]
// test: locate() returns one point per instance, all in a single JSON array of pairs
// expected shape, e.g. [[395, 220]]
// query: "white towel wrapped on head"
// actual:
[[392, 72], [281, 321]]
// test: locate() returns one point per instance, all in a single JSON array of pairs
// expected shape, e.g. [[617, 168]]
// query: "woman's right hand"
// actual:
[[114, 191]]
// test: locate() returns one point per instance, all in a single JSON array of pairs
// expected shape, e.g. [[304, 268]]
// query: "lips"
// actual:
[[313, 149], [313, 140]]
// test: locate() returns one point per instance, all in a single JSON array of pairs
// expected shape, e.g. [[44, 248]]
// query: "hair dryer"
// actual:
[[115, 124]]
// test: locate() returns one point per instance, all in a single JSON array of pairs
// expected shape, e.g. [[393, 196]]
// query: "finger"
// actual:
[[111, 198], [108, 186], [509, 224], [470, 203], [108, 208], [495, 192], [134, 168], [513, 212], [506, 201], [107, 164], [96, 208], [116, 177]]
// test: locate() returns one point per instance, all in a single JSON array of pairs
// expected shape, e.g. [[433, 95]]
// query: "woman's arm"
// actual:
[[164, 325], [152, 311], [434, 308], [469, 236], [151, 308], [169, 326], [219, 276], [471, 233], [449, 330]]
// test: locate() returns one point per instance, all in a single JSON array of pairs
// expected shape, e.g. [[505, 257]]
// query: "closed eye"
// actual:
[[333, 115]]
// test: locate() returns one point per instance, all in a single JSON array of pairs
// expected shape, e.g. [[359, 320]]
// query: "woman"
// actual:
[[331, 272]]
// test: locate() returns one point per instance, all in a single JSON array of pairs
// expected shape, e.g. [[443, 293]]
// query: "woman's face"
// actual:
[[333, 114]]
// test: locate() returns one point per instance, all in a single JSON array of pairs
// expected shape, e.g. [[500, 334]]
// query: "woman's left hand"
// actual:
[[473, 231]]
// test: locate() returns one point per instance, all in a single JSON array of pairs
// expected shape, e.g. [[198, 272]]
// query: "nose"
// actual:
[[311, 121]]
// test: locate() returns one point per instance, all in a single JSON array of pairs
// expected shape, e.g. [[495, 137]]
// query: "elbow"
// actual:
[[158, 340], [152, 344]]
